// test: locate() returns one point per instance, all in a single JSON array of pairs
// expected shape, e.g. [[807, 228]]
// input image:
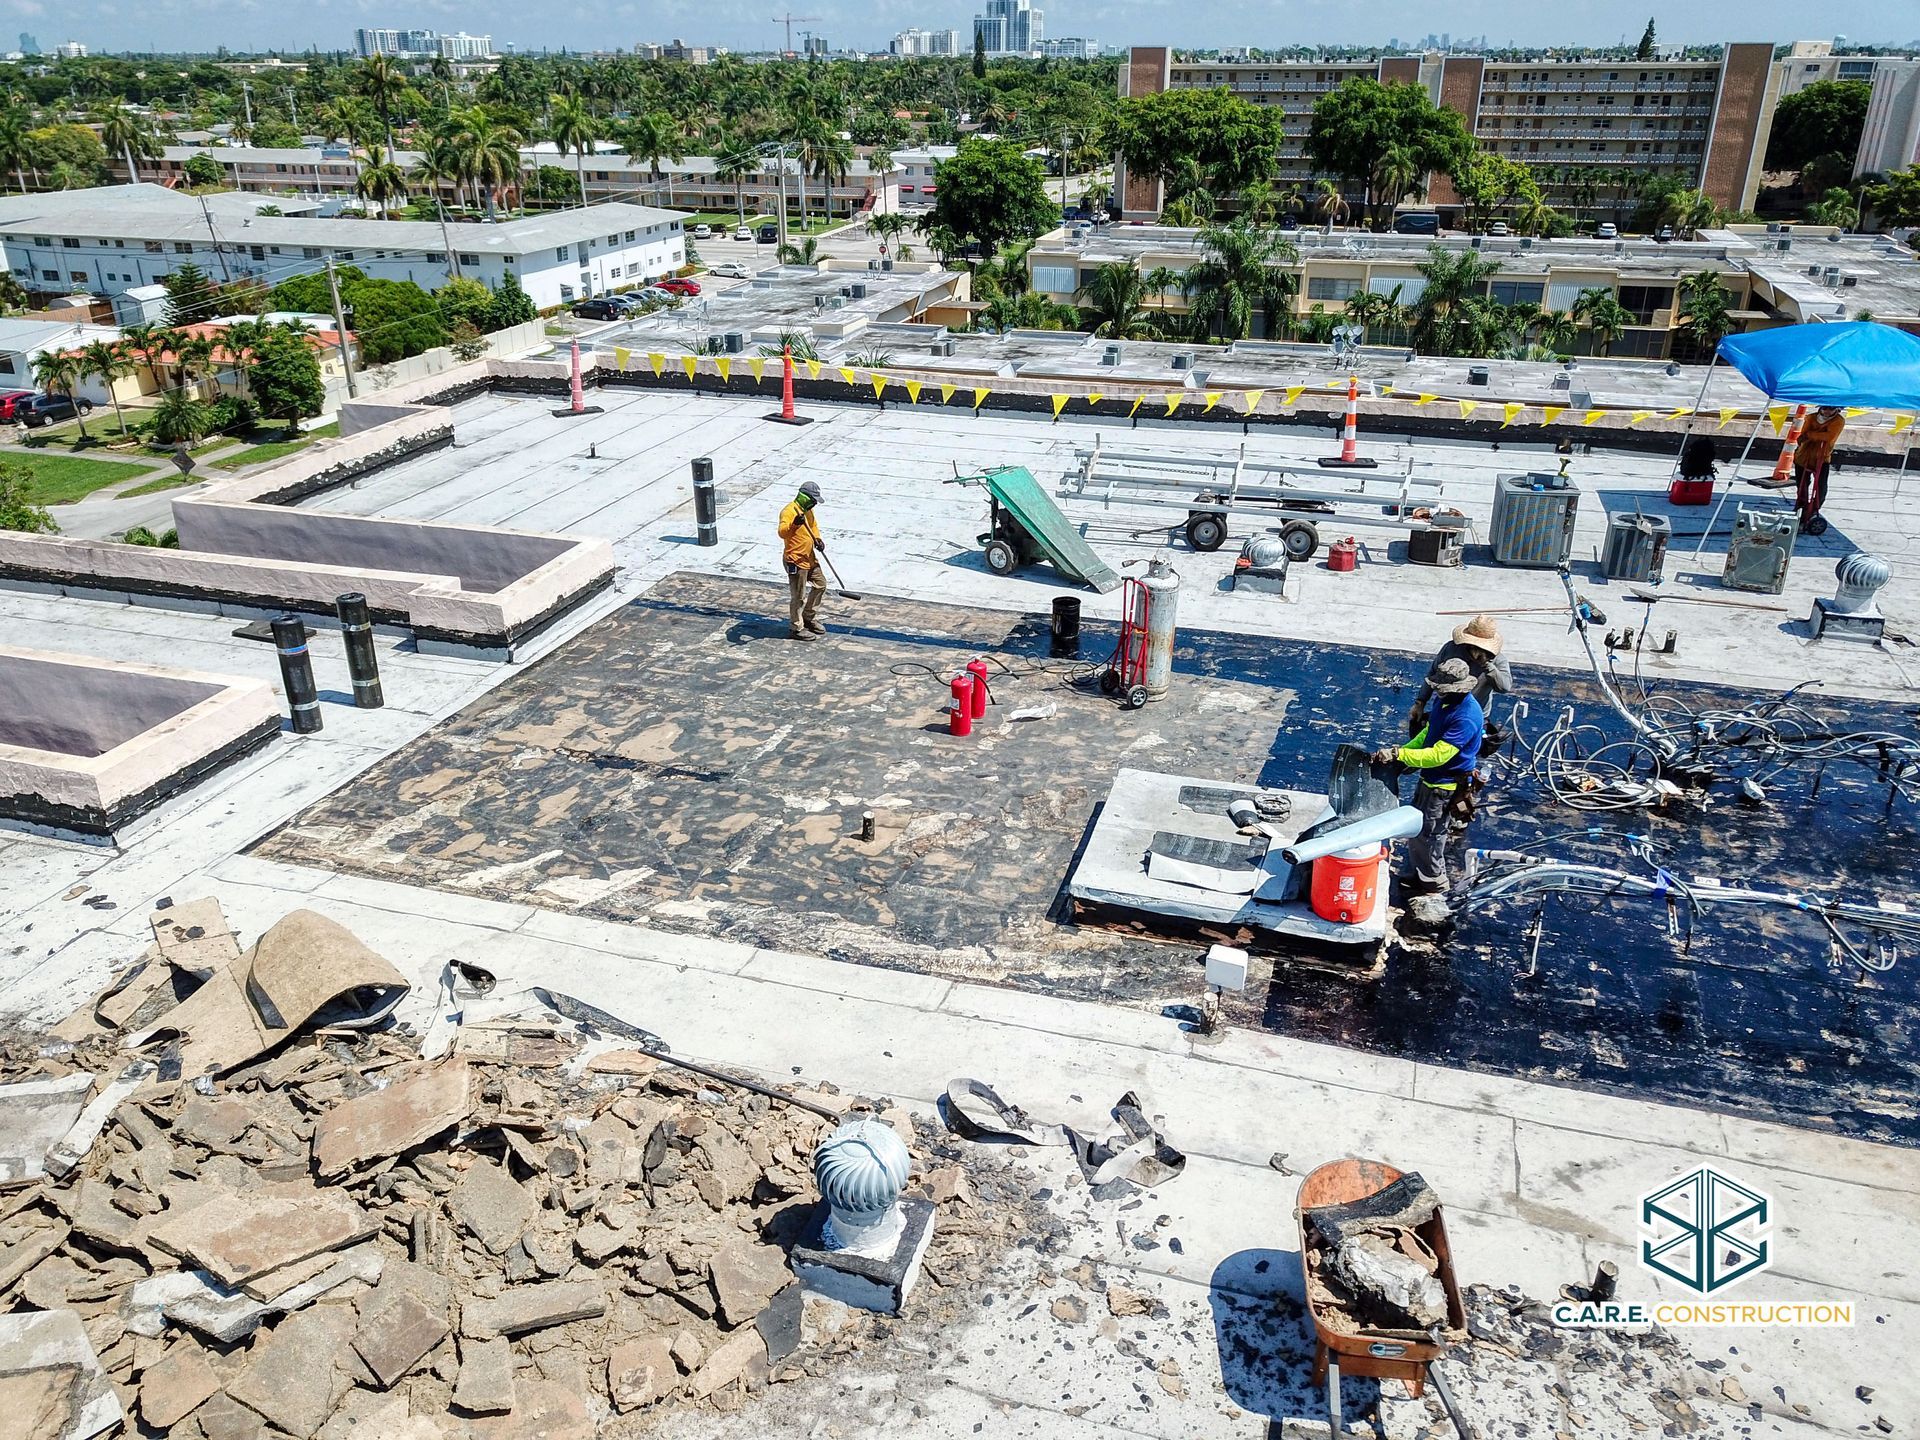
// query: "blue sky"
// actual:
[[743, 24]]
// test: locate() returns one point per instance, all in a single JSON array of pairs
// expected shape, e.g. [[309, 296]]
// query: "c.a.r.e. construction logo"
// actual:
[[1708, 1232]]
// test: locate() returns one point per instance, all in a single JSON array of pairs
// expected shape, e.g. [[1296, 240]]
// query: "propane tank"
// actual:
[[978, 669], [1161, 598], [960, 712]]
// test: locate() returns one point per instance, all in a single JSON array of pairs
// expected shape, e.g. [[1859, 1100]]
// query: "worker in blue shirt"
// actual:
[[1444, 753]]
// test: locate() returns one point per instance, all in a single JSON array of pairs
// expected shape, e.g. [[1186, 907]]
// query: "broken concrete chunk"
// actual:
[[485, 1386], [1122, 1302], [395, 1335], [544, 1411], [688, 1351], [19, 1258], [195, 1299], [66, 1153], [224, 1418], [742, 1353], [491, 1206], [53, 1375], [213, 1121], [194, 938], [1373, 1268], [290, 1376], [176, 1387], [533, 1307], [418, 1104], [236, 1237], [33, 1116], [641, 1372], [744, 1277]]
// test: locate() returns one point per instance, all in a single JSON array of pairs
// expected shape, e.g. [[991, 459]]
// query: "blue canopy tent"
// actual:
[[1855, 363]]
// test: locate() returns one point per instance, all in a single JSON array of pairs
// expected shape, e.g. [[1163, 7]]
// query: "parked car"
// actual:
[[38, 410], [604, 307], [768, 235], [11, 398], [658, 295], [1416, 223], [680, 285], [731, 270], [1289, 223], [1606, 230], [743, 233], [1499, 227], [703, 232], [1663, 235]]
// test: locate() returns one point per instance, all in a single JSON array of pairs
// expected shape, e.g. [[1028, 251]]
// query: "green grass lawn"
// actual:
[[63, 479], [204, 447], [173, 480], [54, 437], [730, 220], [274, 449]]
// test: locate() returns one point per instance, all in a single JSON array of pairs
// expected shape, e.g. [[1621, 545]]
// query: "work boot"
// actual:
[[815, 626], [801, 635]]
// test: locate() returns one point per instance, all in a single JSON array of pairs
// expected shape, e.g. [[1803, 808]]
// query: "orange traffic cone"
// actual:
[[1783, 467], [787, 415], [1349, 456]]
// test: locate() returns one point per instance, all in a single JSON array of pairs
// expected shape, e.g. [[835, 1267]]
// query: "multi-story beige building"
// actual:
[[1571, 121]]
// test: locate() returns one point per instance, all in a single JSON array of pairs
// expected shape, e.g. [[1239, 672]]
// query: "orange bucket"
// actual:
[[1346, 885]]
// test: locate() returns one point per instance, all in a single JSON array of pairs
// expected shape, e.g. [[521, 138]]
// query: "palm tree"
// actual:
[[1115, 300], [1837, 207], [829, 161], [16, 151], [122, 129], [489, 155], [53, 371], [382, 183], [1604, 316], [194, 355], [1705, 307], [1397, 175], [735, 165], [652, 137], [809, 135], [573, 127], [1557, 331], [439, 164], [1240, 276], [1370, 308], [1442, 322], [107, 361], [804, 253], [148, 343], [1330, 202], [383, 82]]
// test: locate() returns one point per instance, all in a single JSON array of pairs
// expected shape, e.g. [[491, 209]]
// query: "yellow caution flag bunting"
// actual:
[[1902, 424], [946, 393], [1173, 402], [725, 366], [1551, 413], [1094, 398], [689, 363], [1294, 392], [980, 395], [1467, 407], [813, 369], [1777, 416], [1727, 412], [1059, 404], [658, 362], [846, 374], [1592, 417], [620, 357], [1508, 411], [1681, 413], [1638, 416], [1252, 400], [913, 390], [1852, 411], [1138, 401], [879, 385], [1213, 399], [1386, 390], [1424, 400], [758, 365]]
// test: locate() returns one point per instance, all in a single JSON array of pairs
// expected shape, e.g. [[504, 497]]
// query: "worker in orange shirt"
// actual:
[[801, 544], [1811, 459]]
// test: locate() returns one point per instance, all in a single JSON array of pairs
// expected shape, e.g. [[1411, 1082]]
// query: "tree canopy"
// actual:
[[1359, 125], [1827, 115], [991, 191], [1229, 141], [284, 377]]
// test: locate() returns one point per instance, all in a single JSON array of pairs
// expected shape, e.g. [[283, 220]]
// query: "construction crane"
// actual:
[[789, 21]]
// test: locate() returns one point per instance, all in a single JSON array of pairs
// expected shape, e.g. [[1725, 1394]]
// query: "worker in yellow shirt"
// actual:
[[800, 537]]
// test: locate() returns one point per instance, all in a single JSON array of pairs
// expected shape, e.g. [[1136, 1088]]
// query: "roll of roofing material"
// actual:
[[1397, 824]]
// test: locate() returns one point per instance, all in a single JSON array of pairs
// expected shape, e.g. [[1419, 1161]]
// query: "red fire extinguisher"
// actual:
[[978, 669], [960, 712]]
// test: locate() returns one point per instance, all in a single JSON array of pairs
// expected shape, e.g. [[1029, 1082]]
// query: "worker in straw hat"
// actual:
[[1479, 644], [1444, 753], [800, 547]]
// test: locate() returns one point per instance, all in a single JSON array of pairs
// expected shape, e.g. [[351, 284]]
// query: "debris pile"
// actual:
[[1372, 1270], [263, 1229]]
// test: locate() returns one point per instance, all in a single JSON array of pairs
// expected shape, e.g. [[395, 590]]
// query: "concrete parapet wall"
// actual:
[[145, 731]]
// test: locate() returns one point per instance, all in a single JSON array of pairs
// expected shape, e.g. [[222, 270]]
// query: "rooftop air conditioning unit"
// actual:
[[1774, 227], [1526, 242], [1846, 280], [1183, 360], [943, 347], [1478, 375], [857, 290], [1582, 399], [1110, 355], [886, 265], [1784, 243], [735, 341], [1813, 269], [1562, 381], [874, 264]]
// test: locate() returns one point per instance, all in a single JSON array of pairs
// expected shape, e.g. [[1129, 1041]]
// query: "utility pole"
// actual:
[[293, 107], [446, 238], [340, 320], [246, 100], [214, 235], [1063, 167]]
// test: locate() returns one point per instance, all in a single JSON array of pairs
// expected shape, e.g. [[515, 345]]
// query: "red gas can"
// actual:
[[1346, 884], [978, 669], [1343, 554], [1690, 492], [960, 712]]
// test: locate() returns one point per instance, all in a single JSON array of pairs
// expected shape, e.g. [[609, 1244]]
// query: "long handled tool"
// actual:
[[842, 592]]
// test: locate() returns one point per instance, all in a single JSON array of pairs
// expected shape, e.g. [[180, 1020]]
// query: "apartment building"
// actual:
[[1705, 121], [331, 170], [913, 182], [916, 41], [1890, 139], [109, 246], [693, 183], [1808, 274]]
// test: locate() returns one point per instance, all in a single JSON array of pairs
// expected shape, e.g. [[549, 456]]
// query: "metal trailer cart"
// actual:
[[1210, 488], [1404, 1355], [1024, 525]]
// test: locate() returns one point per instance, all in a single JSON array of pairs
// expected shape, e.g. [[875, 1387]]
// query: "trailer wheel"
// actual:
[[1206, 532], [1136, 696], [1002, 558], [1816, 525], [1301, 539]]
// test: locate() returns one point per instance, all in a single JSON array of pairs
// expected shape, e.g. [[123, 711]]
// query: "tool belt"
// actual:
[[1466, 796]]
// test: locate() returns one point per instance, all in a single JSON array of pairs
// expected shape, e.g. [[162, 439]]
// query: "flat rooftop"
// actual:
[[655, 813], [787, 297]]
